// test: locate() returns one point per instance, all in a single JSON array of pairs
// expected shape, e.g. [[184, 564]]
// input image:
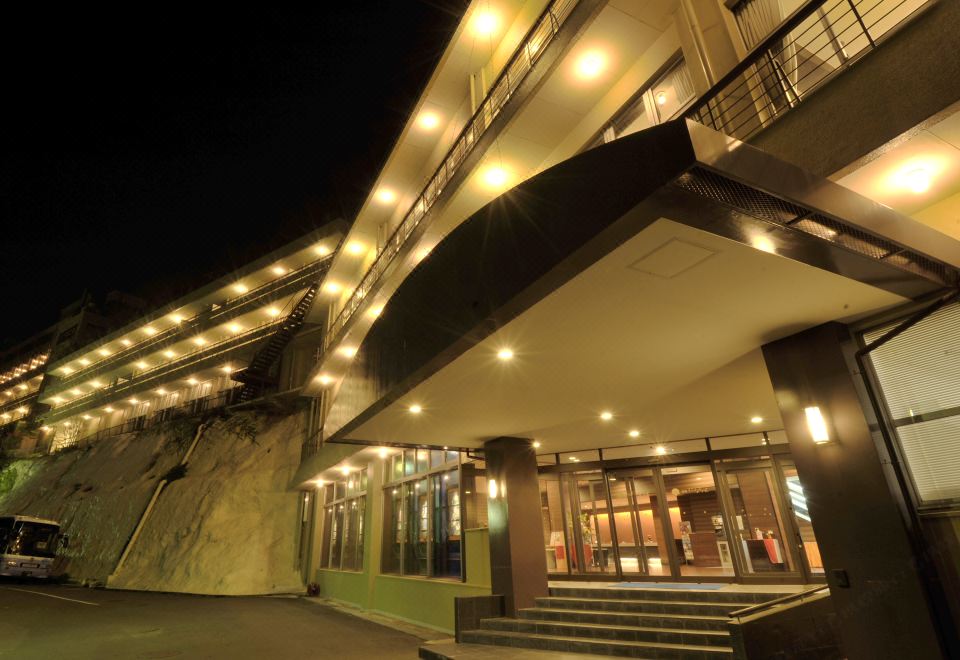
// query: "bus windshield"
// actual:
[[28, 539]]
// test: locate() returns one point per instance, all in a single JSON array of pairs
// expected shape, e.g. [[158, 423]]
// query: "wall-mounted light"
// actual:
[[817, 425], [492, 489]]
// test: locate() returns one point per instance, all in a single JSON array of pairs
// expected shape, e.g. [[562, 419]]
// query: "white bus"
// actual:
[[28, 546]]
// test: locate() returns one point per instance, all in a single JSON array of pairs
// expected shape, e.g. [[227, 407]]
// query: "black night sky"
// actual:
[[151, 149]]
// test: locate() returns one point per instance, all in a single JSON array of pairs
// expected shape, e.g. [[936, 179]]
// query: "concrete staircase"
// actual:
[[625, 622]]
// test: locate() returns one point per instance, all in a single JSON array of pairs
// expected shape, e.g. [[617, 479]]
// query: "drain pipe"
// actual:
[[153, 501]]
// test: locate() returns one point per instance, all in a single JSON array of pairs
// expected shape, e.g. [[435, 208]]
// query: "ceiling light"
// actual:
[[108, 409], [348, 351], [428, 120], [67, 370], [126, 342], [356, 247], [416, 409], [169, 354], [917, 180], [45, 429], [199, 341], [57, 399], [536, 444], [321, 250], [382, 452], [756, 419], [176, 318], [764, 244], [485, 23], [104, 352], [84, 361], [634, 433], [574, 459], [505, 354], [279, 270], [234, 328], [141, 365], [226, 369], [23, 410], [161, 391], [324, 379], [375, 311], [273, 311], [661, 98], [76, 391], [22, 386], [240, 288], [192, 381], [332, 287], [660, 449], [495, 177], [150, 331], [606, 415], [345, 470], [134, 400], [385, 196], [591, 64], [95, 383], [87, 417]]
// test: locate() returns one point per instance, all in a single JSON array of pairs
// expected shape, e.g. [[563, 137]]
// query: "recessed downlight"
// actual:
[[505, 354], [634, 433], [606, 415], [416, 409]]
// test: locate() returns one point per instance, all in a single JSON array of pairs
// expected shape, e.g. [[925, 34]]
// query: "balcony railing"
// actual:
[[513, 74], [183, 361], [189, 409], [814, 44], [228, 309]]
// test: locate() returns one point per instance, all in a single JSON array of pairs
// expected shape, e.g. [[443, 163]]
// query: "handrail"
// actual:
[[229, 305], [531, 47], [800, 595], [759, 89]]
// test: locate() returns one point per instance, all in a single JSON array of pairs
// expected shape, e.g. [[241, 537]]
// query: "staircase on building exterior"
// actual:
[[257, 376], [625, 622]]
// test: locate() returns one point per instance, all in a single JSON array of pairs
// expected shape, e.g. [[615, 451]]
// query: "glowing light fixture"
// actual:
[[134, 400], [495, 177], [199, 341], [661, 98], [332, 287], [348, 351], [382, 452], [345, 470], [23, 410], [416, 409], [634, 433], [150, 331], [485, 23], [536, 444], [324, 379], [22, 386], [192, 381], [492, 490], [428, 120], [278, 270], [126, 342], [375, 311], [176, 318], [226, 369], [321, 250], [240, 288], [104, 352], [45, 429], [234, 328], [84, 361], [385, 196], [505, 354], [87, 417], [356, 247], [273, 311], [591, 64], [917, 180], [169, 354], [764, 244], [108, 409], [161, 391], [95, 383], [756, 419], [76, 392], [57, 399], [660, 450], [817, 425], [606, 415], [67, 370], [141, 365]]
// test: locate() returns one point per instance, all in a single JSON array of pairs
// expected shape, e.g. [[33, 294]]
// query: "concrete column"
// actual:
[[882, 603], [518, 565]]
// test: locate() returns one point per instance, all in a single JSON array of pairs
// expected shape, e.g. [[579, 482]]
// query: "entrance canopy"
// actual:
[[638, 279]]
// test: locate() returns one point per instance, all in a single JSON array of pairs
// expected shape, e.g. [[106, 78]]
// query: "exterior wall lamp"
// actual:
[[817, 425]]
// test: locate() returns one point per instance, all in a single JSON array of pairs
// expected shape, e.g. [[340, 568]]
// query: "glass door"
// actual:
[[589, 525], [796, 502], [762, 533], [642, 541]]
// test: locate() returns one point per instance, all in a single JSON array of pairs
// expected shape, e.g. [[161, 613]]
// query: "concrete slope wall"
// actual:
[[229, 525], [97, 493]]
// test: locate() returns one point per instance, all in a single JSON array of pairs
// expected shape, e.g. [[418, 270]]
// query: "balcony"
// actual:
[[289, 283], [516, 71]]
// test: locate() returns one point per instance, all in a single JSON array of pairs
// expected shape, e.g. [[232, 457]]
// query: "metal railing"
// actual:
[[225, 310], [513, 74], [814, 44], [190, 408], [800, 596]]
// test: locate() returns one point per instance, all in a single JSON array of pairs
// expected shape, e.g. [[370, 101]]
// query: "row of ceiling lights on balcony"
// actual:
[[22, 410], [20, 386], [177, 318], [23, 368]]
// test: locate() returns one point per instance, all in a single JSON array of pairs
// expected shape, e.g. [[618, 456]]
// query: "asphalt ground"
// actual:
[[45, 621]]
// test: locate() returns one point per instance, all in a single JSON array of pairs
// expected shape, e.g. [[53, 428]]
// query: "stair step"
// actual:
[[654, 619], [636, 605], [598, 646], [715, 596], [606, 631]]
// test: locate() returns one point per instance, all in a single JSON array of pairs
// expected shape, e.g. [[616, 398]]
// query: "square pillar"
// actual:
[[518, 564], [883, 607]]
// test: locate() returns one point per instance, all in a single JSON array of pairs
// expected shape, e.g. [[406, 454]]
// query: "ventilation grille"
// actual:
[[771, 209]]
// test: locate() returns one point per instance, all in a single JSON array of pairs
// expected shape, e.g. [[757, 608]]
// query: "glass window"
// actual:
[[423, 460], [336, 536], [393, 535], [757, 521], [798, 504], [551, 513], [446, 524], [341, 547], [417, 507], [409, 462]]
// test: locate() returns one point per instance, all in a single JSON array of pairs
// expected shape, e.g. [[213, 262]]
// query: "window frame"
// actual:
[[345, 498]]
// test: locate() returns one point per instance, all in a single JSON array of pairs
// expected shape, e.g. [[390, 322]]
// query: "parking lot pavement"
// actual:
[[39, 621]]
